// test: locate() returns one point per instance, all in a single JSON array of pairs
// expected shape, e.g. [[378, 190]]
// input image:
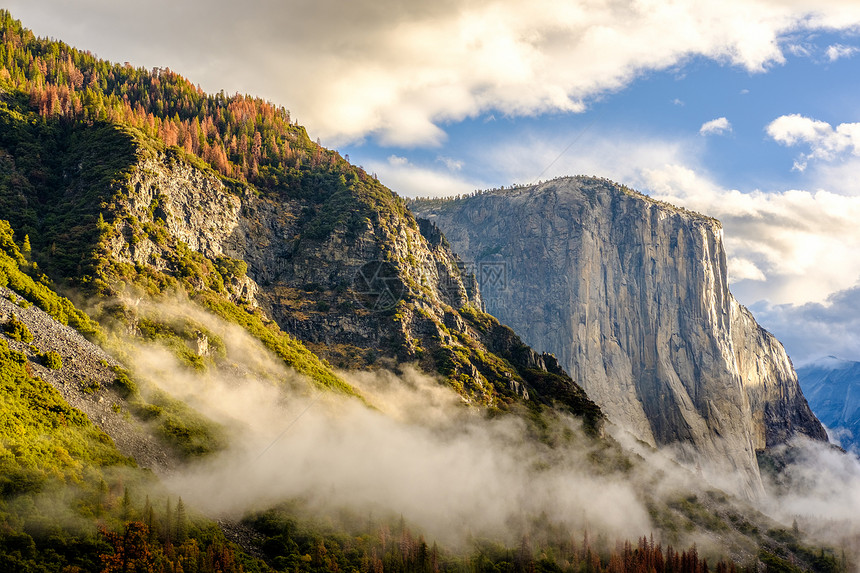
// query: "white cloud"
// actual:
[[815, 329], [716, 126], [789, 247], [825, 142], [397, 161], [841, 177], [837, 51], [398, 71], [744, 269], [411, 180]]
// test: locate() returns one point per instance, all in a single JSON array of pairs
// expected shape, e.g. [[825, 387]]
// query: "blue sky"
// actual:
[[664, 105], [745, 110]]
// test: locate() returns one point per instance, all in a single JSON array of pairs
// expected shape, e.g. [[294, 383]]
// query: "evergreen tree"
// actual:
[[181, 530]]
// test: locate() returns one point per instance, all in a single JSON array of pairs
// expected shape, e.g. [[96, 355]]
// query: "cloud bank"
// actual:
[[398, 71]]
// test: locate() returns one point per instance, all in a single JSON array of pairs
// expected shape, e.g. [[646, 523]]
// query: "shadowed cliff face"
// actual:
[[632, 296]]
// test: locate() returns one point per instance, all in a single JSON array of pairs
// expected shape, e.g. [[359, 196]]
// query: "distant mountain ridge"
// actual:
[[832, 387]]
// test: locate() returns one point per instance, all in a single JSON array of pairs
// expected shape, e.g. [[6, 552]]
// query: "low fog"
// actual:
[[418, 451], [819, 489]]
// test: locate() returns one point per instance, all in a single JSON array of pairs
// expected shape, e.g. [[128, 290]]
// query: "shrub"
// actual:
[[52, 360], [124, 384], [90, 386], [17, 330]]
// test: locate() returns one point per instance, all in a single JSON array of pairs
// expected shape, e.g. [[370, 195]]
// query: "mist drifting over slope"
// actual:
[[418, 451], [451, 470]]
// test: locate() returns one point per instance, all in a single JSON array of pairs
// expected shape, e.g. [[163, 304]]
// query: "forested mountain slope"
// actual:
[[122, 176]]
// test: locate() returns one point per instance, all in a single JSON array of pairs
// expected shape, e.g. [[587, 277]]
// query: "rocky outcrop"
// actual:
[[632, 296], [173, 201], [778, 406], [345, 268]]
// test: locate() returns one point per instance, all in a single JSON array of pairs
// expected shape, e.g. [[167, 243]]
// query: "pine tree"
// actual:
[[181, 522], [126, 508]]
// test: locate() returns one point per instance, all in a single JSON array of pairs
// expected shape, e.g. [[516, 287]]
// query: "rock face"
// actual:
[[833, 389], [347, 270], [632, 296]]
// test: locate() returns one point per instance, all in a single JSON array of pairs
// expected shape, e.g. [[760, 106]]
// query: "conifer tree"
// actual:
[[181, 522]]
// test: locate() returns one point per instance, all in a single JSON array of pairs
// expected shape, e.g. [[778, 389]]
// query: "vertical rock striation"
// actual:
[[632, 296]]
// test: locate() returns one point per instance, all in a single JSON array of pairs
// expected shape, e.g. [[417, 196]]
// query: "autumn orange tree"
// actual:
[[137, 550], [242, 137]]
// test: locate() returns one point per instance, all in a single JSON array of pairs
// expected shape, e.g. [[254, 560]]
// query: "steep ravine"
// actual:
[[632, 296]]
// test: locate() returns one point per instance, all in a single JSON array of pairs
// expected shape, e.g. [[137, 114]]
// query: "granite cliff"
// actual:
[[632, 296]]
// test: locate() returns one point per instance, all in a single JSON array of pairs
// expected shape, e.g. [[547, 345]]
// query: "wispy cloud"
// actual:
[[717, 126], [450, 163], [397, 161], [838, 51], [440, 179]]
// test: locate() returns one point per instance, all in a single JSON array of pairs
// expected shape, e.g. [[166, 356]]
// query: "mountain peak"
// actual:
[[829, 362]]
